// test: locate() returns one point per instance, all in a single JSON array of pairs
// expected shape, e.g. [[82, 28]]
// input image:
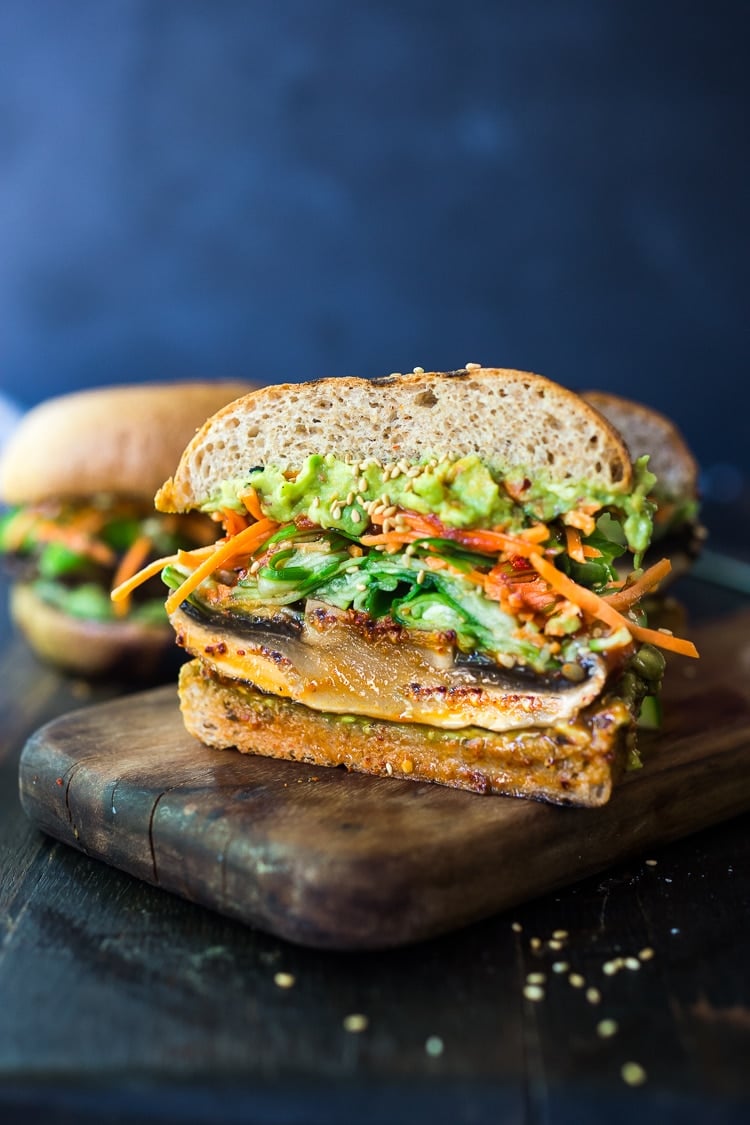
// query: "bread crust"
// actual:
[[645, 430], [128, 650], [578, 766], [123, 439], [509, 418]]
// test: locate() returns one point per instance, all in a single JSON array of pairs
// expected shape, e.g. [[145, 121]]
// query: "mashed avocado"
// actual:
[[463, 493]]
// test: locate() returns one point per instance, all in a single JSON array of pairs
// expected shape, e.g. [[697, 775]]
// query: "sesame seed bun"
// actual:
[[509, 418], [121, 440]]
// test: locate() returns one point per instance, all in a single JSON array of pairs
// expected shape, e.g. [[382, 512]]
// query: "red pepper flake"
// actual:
[[59, 781]]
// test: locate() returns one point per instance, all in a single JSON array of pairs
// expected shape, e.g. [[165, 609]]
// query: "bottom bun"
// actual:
[[116, 649], [575, 765]]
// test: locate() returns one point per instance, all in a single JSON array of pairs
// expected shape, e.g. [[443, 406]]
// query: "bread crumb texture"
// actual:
[[510, 419]]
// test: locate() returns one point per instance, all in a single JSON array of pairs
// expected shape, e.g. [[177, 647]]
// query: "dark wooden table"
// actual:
[[120, 1002]]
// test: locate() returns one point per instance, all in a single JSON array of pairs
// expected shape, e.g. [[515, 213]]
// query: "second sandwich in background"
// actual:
[[78, 476]]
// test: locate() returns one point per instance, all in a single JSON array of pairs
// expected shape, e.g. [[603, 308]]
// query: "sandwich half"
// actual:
[[415, 578], [78, 477]]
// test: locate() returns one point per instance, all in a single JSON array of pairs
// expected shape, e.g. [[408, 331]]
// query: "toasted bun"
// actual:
[[127, 650], [539, 763], [123, 440], [509, 418], [647, 431]]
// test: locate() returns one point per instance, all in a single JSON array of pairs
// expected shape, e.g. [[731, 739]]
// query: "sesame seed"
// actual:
[[350, 498], [389, 769], [390, 511], [633, 1073], [605, 1029], [362, 484], [355, 1022], [414, 471], [560, 967], [576, 980], [361, 587], [646, 954], [593, 995], [336, 512], [283, 980], [420, 577], [650, 863], [355, 516], [536, 978], [632, 963], [472, 366], [560, 933], [609, 968], [419, 370], [516, 927], [555, 944], [536, 943], [395, 375], [533, 992], [434, 1046]]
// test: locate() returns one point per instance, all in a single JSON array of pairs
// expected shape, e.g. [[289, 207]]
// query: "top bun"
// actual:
[[647, 431], [122, 440], [508, 418]]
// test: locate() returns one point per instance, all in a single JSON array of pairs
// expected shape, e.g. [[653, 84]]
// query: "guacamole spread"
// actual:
[[463, 493]]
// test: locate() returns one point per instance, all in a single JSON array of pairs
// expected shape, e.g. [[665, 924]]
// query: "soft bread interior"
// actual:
[[508, 418]]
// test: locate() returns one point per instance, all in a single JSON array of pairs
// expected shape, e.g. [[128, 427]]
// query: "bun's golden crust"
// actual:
[[124, 440], [509, 418], [579, 768], [127, 649]]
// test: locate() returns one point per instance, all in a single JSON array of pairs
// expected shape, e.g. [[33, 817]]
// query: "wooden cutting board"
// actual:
[[338, 860]]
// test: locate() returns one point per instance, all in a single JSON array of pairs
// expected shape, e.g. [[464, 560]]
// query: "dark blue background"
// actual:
[[290, 189]]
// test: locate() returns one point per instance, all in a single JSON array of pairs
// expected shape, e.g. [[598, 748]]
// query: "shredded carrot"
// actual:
[[588, 601], [233, 521], [538, 533], [245, 541], [130, 563], [574, 545], [664, 640], [495, 542], [155, 567], [597, 607], [628, 595], [252, 503], [390, 538], [590, 552]]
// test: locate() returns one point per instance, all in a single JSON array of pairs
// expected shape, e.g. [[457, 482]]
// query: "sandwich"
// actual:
[[78, 476], [678, 532], [416, 578]]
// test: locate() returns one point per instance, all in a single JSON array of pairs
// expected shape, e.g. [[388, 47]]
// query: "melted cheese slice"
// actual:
[[329, 664]]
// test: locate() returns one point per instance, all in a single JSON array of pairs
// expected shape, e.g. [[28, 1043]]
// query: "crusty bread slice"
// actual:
[[541, 763], [647, 431], [512, 419], [123, 440]]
